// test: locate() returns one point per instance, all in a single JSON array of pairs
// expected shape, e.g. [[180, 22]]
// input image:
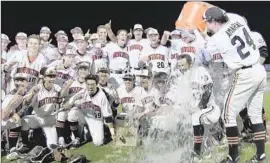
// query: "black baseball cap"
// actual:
[[214, 13]]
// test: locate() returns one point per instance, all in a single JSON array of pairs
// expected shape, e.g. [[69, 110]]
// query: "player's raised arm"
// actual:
[[28, 98], [165, 37], [111, 35]]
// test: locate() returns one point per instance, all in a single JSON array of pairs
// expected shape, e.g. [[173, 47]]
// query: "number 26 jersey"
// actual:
[[234, 42]]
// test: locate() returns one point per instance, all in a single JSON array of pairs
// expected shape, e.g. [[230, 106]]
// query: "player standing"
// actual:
[[231, 36], [155, 53]]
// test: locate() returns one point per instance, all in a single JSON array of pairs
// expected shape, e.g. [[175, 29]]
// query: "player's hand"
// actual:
[[78, 96], [60, 66], [70, 81], [129, 35], [35, 89], [16, 117], [166, 33], [108, 25], [87, 34]]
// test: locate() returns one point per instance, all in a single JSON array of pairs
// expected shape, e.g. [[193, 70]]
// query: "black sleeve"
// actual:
[[206, 96], [263, 51], [108, 119]]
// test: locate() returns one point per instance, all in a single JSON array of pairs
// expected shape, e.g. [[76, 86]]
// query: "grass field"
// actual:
[[109, 154]]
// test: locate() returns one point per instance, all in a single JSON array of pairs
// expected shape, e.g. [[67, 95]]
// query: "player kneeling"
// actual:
[[12, 111], [44, 98], [92, 108], [205, 112]]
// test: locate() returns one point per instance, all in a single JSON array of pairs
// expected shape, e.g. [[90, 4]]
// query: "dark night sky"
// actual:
[[30, 16]]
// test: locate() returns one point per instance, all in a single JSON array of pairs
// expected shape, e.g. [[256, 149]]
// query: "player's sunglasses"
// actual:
[[51, 76], [127, 79], [20, 79]]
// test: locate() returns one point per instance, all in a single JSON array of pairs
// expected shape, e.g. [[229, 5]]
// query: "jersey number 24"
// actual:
[[242, 45]]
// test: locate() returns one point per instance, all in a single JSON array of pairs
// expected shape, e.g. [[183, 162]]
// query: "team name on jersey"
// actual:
[[165, 100], [90, 105], [188, 49], [120, 54], [63, 76], [127, 100], [48, 100], [156, 57], [217, 56], [96, 57], [75, 89], [136, 47], [232, 28], [27, 70], [3, 61], [174, 56], [147, 100]]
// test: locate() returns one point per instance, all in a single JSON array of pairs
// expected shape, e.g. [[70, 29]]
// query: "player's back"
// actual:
[[235, 43]]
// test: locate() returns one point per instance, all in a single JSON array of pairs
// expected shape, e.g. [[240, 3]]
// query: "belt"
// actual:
[[136, 68], [119, 71], [245, 67]]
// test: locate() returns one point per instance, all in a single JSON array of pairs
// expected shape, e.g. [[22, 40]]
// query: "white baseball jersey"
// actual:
[[135, 48], [128, 98], [24, 66], [175, 51], [146, 99], [99, 60], [235, 43], [110, 89], [199, 77], [74, 88], [158, 57], [96, 107], [62, 75], [45, 102], [87, 57], [258, 39], [4, 57], [193, 48], [118, 57]]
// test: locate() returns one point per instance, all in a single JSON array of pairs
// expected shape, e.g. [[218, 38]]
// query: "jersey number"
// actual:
[[240, 48], [160, 65]]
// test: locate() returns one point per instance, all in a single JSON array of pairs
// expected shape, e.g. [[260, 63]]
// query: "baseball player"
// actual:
[[4, 58], [93, 108], [70, 88], [64, 67], [102, 33], [82, 54], [135, 47], [44, 98], [127, 94], [117, 54], [155, 53], [76, 33], [28, 62], [62, 45], [21, 40], [204, 110], [11, 110], [175, 48], [232, 37], [99, 59], [103, 74], [46, 48]]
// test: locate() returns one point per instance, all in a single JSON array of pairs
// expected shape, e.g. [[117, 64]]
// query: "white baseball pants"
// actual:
[[247, 89]]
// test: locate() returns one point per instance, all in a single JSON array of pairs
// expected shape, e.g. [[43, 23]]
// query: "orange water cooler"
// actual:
[[191, 16]]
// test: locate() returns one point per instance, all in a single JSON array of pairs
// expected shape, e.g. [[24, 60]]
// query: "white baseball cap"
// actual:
[[20, 76], [94, 36], [138, 26], [62, 37], [45, 28], [21, 34], [83, 64], [80, 38], [5, 37], [152, 32], [175, 32], [60, 32], [76, 29]]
